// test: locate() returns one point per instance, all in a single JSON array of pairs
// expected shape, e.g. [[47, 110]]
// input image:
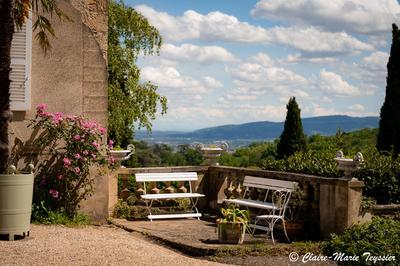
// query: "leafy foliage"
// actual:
[[252, 155], [130, 102], [311, 162], [292, 138], [43, 10], [163, 155], [41, 215], [381, 174], [69, 146], [389, 125], [235, 215], [380, 238]]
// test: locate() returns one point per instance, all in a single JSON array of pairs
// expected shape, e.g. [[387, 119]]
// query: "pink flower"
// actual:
[[70, 117], [94, 155], [60, 177], [85, 152], [110, 143], [89, 124], [54, 193], [102, 130], [67, 162], [41, 107], [112, 160], [77, 170], [77, 156], [57, 117], [77, 137], [96, 145]]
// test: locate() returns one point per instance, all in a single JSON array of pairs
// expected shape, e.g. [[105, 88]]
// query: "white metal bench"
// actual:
[[273, 205], [168, 177]]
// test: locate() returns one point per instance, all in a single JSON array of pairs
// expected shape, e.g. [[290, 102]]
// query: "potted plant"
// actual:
[[294, 216], [232, 227]]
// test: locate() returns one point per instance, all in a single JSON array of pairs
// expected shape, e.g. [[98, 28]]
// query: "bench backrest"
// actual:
[[267, 183], [165, 177], [280, 191]]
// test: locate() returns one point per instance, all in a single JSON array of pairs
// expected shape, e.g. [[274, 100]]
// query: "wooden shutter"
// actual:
[[20, 75]]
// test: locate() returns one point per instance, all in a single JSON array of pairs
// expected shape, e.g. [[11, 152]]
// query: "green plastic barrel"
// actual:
[[16, 192]]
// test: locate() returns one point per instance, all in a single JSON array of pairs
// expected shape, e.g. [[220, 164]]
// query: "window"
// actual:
[[20, 75]]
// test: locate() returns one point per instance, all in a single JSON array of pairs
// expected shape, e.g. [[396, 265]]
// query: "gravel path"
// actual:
[[91, 245]]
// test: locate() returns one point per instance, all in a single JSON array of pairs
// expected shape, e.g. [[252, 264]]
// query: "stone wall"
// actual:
[[72, 77]]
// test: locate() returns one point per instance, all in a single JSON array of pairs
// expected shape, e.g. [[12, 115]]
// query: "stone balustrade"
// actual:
[[333, 202]]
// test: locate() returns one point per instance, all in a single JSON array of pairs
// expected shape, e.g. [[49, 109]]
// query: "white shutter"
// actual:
[[20, 75]]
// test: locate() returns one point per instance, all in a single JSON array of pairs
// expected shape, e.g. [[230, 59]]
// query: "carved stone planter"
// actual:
[[211, 155], [122, 155], [348, 165]]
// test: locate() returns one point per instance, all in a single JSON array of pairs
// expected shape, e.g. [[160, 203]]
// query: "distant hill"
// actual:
[[264, 130]]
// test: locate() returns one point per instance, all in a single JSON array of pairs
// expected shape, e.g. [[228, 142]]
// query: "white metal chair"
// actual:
[[280, 199]]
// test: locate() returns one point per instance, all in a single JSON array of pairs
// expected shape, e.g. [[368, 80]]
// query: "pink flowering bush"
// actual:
[[69, 146]]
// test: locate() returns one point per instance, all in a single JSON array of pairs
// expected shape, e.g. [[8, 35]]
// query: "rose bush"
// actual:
[[69, 146]]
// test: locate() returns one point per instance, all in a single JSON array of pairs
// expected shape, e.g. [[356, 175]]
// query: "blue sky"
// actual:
[[231, 62]]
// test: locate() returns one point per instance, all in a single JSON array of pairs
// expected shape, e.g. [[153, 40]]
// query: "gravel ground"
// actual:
[[91, 245]]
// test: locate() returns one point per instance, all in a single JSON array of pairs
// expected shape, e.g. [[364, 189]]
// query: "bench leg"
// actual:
[[284, 229], [149, 207], [194, 203]]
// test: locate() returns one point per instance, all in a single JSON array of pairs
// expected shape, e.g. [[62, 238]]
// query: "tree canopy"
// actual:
[[389, 125], [130, 35], [292, 138]]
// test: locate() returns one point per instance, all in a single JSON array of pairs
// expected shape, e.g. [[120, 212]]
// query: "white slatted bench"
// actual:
[[272, 207], [170, 177]]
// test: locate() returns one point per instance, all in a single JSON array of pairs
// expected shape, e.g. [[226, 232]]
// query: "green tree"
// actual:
[[14, 13], [129, 101], [389, 125], [292, 138]]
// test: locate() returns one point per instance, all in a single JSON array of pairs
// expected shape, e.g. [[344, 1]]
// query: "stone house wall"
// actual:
[[72, 77]]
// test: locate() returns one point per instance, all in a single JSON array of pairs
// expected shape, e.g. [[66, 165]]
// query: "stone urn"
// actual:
[[348, 165], [122, 155], [211, 155]]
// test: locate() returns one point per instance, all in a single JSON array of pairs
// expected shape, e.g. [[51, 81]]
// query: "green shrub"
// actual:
[[319, 163], [41, 215], [380, 238], [381, 174], [121, 210]]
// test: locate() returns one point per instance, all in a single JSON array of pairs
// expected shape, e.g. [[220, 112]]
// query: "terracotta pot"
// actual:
[[230, 233], [294, 229]]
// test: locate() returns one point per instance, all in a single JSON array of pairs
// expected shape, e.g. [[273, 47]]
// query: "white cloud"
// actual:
[[370, 70], [170, 77], [359, 16], [357, 107], [299, 58], [217, 26], [256, 76], [190, 52], [355, 110], [212, 82], [313, 40], [333, 83]]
